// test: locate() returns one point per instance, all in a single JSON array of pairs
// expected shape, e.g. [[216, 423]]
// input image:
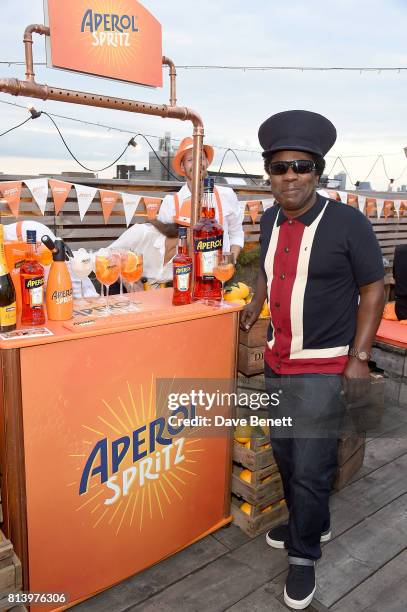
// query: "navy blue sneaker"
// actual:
[[300, 585], [277, 536]]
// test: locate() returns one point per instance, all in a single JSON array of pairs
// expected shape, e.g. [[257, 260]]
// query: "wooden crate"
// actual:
[[347, 447], [257, 334], [257, 457], [349, 468], [258, 492], [10, 567], [251, 360], [258, 522]]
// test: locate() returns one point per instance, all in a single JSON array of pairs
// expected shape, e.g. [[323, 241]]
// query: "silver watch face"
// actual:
[[363, 356]]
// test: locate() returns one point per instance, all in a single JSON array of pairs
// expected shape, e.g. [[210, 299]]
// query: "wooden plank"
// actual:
[[257, 335], [259, 601], [141, 587], [212, 589], [231, 536], [384, 590], [362, 550]]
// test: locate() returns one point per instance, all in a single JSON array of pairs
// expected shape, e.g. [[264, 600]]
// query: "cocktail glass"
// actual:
[[224, 271], [82, 265], [131, 271], [107, 269]]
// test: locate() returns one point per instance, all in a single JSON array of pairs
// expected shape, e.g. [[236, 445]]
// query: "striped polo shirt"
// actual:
[[314, 265]]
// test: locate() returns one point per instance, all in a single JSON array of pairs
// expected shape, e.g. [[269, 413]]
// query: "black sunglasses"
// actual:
[[299, 166]]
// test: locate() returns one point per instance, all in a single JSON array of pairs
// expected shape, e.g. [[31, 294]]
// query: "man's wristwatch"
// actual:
[[361, 355]]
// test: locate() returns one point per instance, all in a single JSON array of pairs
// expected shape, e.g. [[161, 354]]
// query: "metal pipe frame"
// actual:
[[31, 89]]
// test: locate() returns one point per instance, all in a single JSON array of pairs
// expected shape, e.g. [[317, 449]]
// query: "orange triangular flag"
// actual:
[[254, 207], [152, 207], [371, 207], [11, 191], [60, 191], [403, 208], [353, 200], [108, 200], [388, 208], [334, 195]]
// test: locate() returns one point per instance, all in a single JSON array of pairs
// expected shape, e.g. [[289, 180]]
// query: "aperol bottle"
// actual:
[[32, 284], [182, 271], [208, 245]]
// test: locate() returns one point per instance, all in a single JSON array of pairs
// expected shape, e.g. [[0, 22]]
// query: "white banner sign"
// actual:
[[39, 191]]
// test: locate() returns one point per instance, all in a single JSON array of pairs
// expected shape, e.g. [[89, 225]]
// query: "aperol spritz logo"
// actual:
[[134, 464], [113, 38]]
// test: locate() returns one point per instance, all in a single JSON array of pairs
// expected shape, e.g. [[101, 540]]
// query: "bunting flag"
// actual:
[[353, 200], [343, 196], [11, 192], [370, 207], [362, 203], [397, 207], [243, 205], [268, 204], [60, 192], [403, 208], [253, 206], [108, 200], [379, 206], [334, 195], [85, 197], [152, 207], [130, 204], [388, 208], [324, 193], [39, 191]]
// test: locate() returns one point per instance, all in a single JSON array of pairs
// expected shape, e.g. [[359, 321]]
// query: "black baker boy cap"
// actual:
[[297, 130]]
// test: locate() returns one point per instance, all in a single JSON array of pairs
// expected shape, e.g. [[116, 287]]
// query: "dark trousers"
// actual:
[[306, 453]]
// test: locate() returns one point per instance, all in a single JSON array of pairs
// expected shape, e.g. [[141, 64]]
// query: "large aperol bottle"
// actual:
[[208, 244], [32, 284]]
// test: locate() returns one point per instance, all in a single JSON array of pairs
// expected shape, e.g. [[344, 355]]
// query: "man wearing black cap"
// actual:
[[321, 271]]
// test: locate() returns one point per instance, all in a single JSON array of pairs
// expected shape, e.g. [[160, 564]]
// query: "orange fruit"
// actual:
[[132, 261], [267, 509], [245, 475], [246, 508], [266, 479]]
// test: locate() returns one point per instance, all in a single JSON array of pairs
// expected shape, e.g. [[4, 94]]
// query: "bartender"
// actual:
[[176, 208]]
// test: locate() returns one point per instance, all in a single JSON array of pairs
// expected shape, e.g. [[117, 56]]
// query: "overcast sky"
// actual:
[[368, 109]]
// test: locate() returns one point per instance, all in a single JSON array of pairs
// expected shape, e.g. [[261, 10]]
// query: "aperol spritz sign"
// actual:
[[117, 39]]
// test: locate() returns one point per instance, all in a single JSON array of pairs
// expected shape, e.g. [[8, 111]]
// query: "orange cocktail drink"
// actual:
[[107, 270]]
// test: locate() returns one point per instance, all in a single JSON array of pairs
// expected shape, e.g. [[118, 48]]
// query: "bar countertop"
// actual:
[[155, 308]]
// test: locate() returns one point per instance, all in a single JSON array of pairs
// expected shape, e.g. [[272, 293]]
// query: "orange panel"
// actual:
[[92, 394], [117, 39]]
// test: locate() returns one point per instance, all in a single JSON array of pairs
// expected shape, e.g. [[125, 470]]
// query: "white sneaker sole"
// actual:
[[299, 605], [279, 544]]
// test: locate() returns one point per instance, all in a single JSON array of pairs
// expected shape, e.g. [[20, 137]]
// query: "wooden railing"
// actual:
[[93, 233]]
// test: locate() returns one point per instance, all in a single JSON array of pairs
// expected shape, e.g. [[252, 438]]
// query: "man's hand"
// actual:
[[356, 379], [250, 314]]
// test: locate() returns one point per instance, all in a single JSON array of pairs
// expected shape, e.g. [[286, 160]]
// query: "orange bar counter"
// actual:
[[92, 490]]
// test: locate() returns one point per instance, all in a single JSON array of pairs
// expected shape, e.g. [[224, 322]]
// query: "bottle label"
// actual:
[[208, 250], [35, 288], [183, 277], [8, 315], [3, 262], [62, 297]]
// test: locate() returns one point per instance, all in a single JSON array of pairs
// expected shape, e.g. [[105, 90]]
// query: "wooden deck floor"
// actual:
[[364, 566]]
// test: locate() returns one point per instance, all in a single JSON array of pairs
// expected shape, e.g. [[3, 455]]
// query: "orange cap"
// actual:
[[186, 145]]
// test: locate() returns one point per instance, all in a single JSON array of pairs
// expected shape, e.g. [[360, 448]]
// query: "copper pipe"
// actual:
[[31, 89], [173, 80], [28, 45]]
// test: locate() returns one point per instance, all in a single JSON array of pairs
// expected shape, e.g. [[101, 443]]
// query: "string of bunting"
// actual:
[[85, 195]]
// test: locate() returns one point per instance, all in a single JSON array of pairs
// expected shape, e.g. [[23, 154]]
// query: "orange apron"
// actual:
[[183, 213]]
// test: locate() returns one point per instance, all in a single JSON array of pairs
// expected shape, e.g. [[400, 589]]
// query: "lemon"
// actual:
[[232, 293], [246, 508], [249, 298], [244, 290], [266, 479], [242, 433], [245, 475], [267, 509], [265, 311]]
